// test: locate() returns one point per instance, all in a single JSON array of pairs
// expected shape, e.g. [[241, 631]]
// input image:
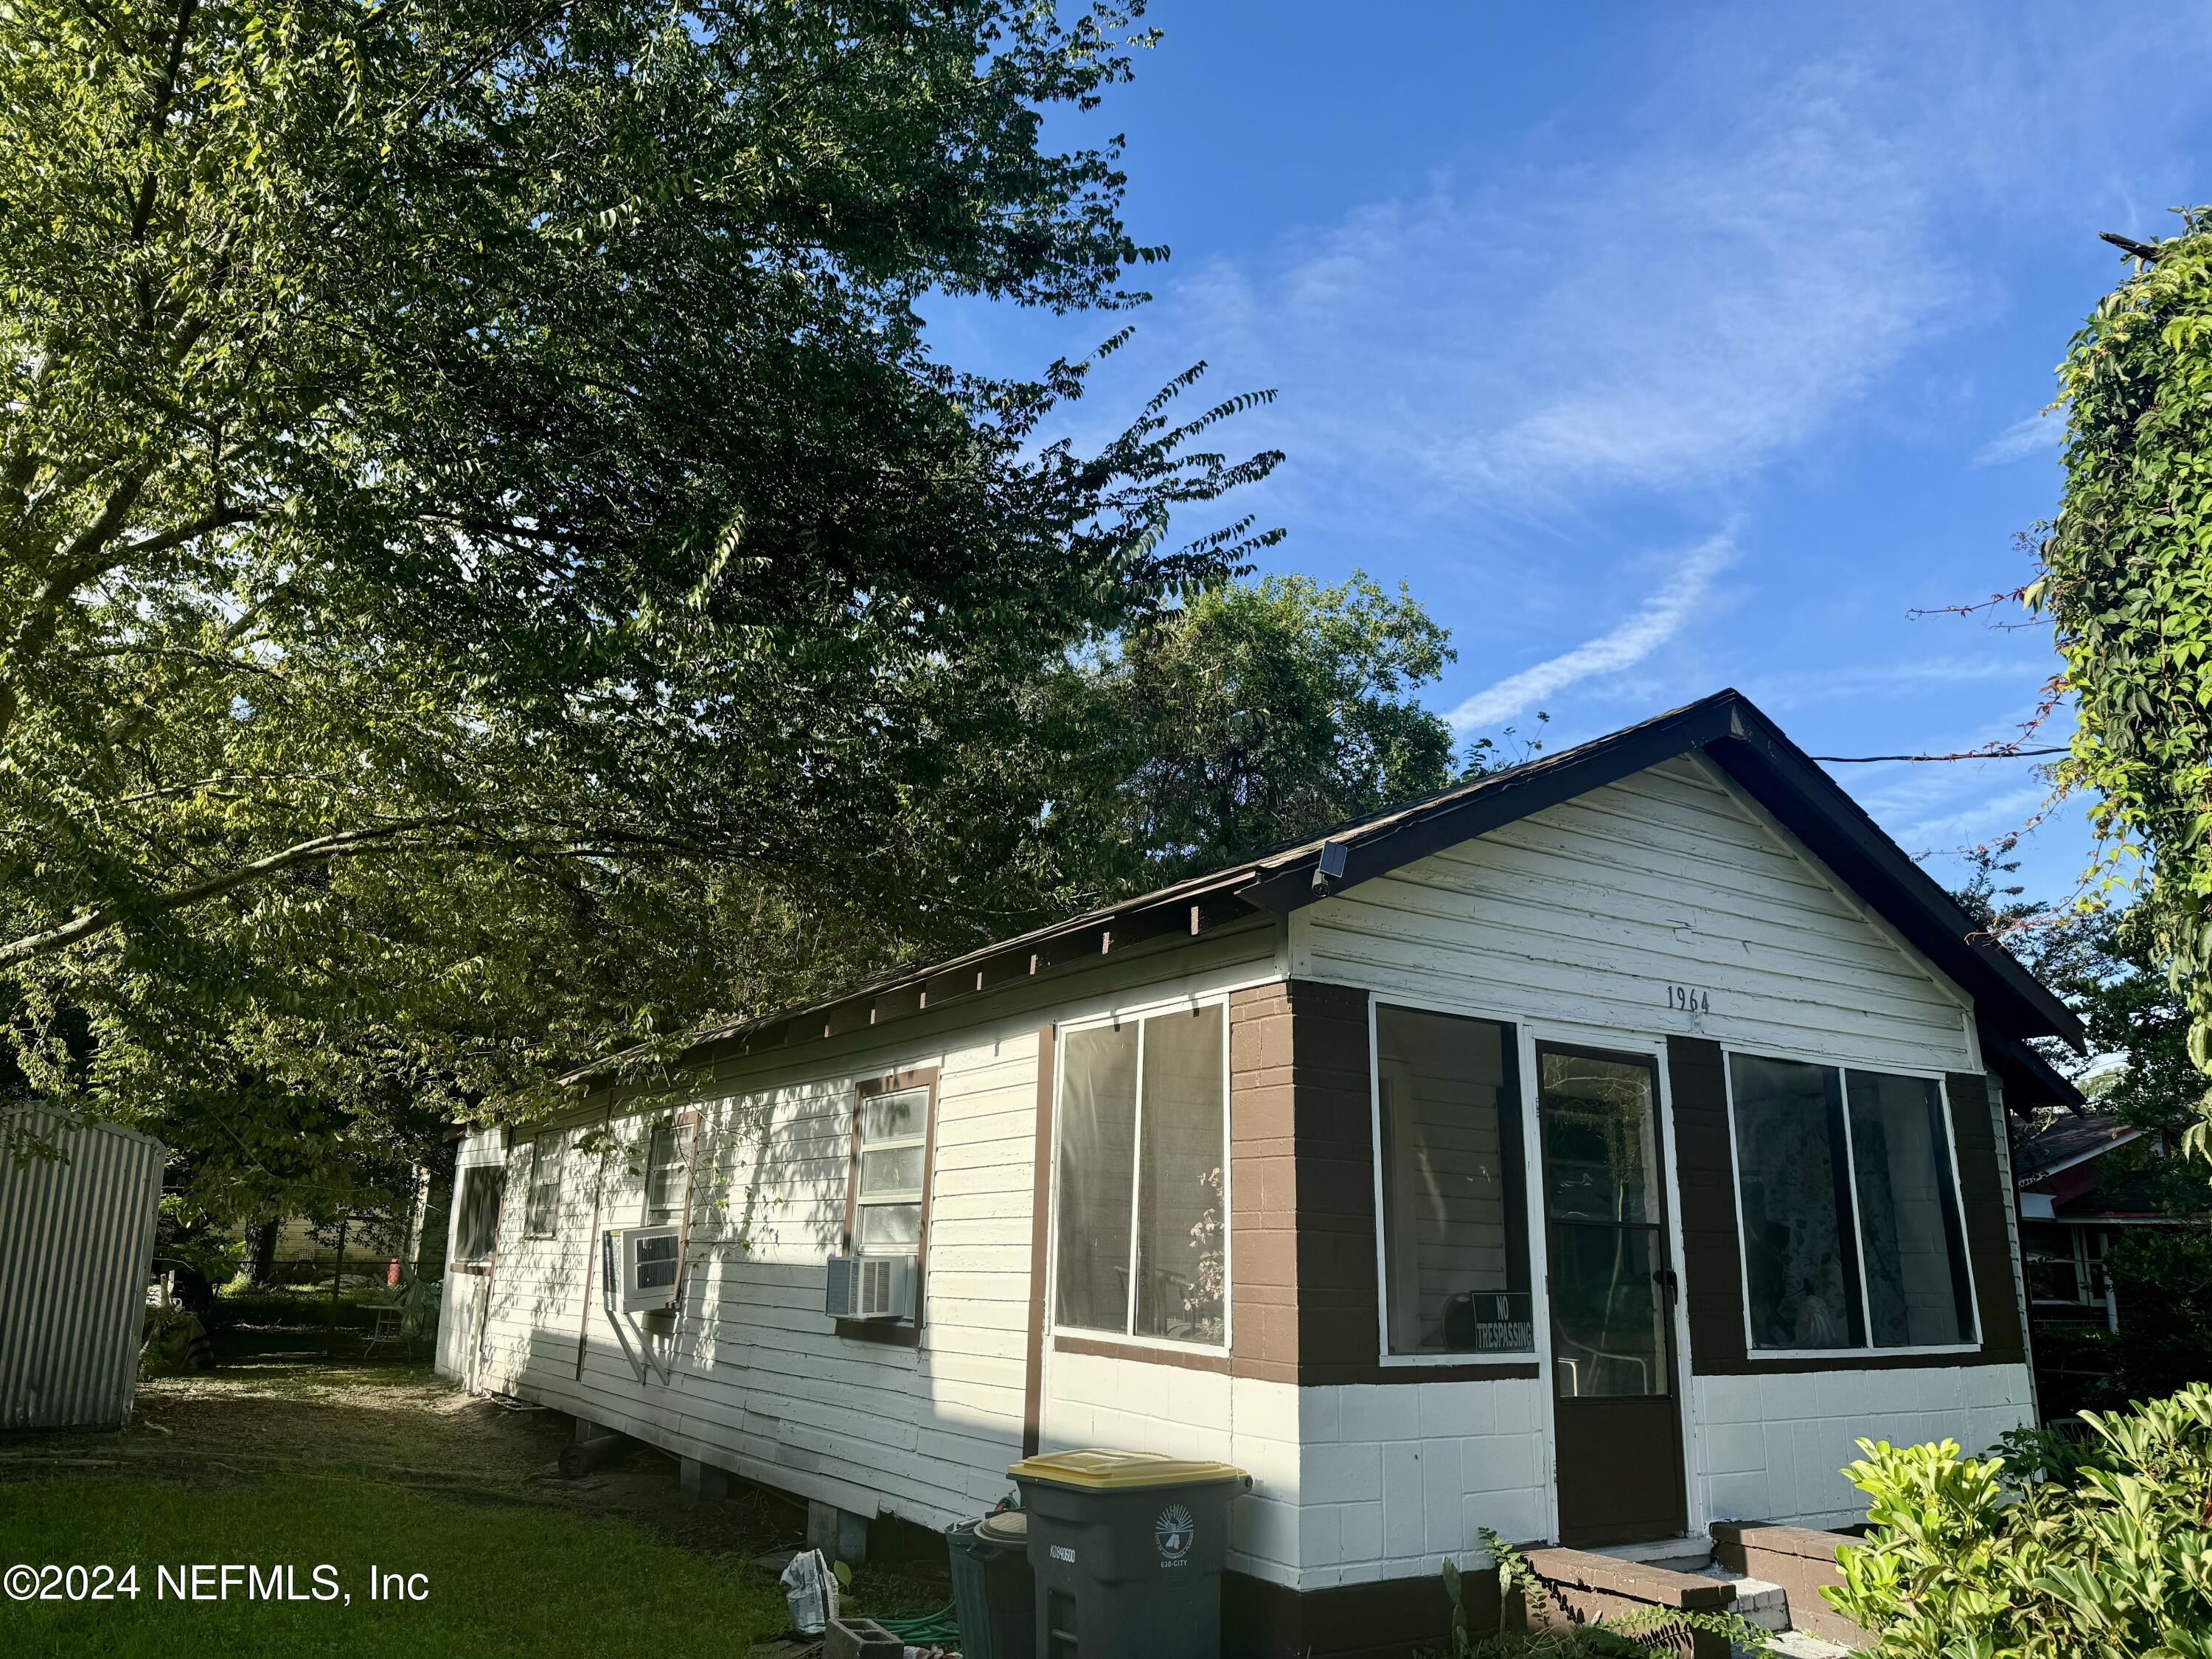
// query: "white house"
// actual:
[[1586, 1153]]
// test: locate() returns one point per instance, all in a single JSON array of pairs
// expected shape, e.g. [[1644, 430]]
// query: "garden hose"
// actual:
[[925, 1628]]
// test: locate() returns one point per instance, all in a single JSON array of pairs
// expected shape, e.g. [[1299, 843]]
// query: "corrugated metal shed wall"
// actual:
[[76, 1242]]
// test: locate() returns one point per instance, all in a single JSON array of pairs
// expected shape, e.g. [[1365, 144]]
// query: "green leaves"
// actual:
[[435, 644], [1963, 1557], [2127, 581]]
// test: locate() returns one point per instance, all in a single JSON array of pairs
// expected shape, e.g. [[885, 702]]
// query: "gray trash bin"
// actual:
[[1127, 1548], [993, 1593]]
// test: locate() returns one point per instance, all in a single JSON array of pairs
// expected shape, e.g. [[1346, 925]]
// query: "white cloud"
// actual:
[[2031, 435], [1660, 619]]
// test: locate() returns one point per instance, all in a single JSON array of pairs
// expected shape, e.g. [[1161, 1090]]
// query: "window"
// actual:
[[542, 1214], [668, 1169], [476, 1232], [1453, 1195], [888, 1186], [1143, 1139], [2065, 1264], [1850, 1206]]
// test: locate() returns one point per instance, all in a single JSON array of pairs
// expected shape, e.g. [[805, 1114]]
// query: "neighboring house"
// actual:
[[1590, 1152], [2068, 1216]]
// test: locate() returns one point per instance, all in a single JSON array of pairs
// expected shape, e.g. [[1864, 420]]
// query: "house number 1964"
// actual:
[[1688, 999]]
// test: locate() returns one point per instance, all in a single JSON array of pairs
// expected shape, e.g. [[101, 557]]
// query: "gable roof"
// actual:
[[1725, 727]]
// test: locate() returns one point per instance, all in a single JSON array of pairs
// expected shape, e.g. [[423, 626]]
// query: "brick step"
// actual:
[[1587, 1585]]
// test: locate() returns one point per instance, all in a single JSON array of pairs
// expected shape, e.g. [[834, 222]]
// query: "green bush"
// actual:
[[1984, 1558]]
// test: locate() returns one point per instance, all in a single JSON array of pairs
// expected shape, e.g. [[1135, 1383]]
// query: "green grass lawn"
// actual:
[[501, 1578]]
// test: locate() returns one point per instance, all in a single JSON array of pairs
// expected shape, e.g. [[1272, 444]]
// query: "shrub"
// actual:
[[1978, 1558]]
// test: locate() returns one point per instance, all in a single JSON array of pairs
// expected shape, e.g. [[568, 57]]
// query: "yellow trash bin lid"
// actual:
[[1121, 1471]]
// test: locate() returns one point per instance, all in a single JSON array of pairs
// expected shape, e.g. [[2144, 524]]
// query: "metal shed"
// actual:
[[76, 1242]]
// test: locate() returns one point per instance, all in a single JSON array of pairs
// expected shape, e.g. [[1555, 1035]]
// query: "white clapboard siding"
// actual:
[[1588, 912], [756, 1378]]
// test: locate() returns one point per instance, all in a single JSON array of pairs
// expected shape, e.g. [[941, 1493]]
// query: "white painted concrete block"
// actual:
[[1342, 1473], [1443, 1490], [1457, 1409], [1360, 1531], [1404, 1518]]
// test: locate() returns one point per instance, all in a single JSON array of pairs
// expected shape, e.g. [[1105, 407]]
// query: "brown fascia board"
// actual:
[[1815, 809], [1377, 846], [2030, 1080]]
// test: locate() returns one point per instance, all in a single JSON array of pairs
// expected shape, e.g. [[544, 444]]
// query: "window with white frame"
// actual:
[[1452, 1184], [542, 1214], [668, 1169], [1849, 1198], [891, 1154], [1143, 1155]]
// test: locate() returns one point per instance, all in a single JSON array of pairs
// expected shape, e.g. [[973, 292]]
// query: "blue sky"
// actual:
[[1661, 349]]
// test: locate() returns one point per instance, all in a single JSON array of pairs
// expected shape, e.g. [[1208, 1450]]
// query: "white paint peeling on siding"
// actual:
[[1586, 913]]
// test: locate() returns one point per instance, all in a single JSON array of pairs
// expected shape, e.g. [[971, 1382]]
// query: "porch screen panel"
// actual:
[[1179, 1188], [1097, 1136], [1793, 1176], [1455, 1192], [1915, 1246]]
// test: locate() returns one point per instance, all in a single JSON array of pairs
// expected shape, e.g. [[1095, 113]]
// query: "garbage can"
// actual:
[[994, 1592], [1127, 1548]]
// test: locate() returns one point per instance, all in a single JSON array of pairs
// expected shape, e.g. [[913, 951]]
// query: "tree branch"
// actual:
[[322, 849], [315, 850]]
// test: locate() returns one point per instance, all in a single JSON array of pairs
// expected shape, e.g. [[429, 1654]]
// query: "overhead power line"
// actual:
[[1969, 754]]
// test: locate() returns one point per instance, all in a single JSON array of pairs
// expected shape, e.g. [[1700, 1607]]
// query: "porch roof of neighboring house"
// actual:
[[2070, 1142], [1725, 727]]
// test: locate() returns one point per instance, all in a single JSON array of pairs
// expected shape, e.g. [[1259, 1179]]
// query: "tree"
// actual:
[[2126, 578], [1258, 713], [475, 490]]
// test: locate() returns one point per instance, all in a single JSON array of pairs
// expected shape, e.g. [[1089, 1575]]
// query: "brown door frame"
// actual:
[[1560, 1409]]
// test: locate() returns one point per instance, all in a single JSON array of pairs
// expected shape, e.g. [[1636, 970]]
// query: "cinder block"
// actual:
[[1454, 1410], [1360, 1533], [1345, 1473], [1319, 1541], [839, 1533], [1405, 1527], [703, 1482], [1371, 1412], [861, 1638], [1445, 1528], [1317, 1415], [1518, 1403]]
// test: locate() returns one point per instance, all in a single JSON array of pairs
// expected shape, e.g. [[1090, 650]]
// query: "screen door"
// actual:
[[1616, 1411]]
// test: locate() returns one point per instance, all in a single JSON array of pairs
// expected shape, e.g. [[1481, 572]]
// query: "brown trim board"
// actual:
[[1302, 1148], [1040, 1247], [1983, 1202], [1712, 1263], [1188, 1359]]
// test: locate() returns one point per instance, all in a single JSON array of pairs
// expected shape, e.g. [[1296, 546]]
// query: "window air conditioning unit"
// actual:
[[872, 1287], [640, 1266]]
